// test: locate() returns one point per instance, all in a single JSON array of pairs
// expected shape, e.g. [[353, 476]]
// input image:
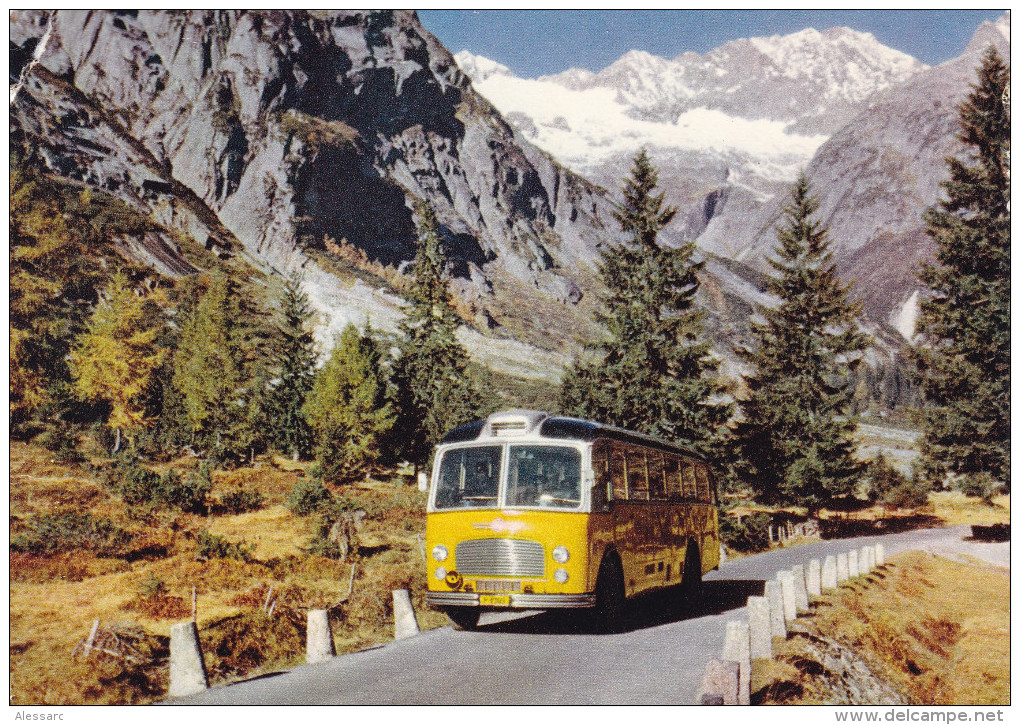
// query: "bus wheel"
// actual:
[[609, 597], [464, 617], [690, 585]]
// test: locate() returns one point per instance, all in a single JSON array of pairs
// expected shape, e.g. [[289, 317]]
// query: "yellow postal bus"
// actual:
[[532, 511]]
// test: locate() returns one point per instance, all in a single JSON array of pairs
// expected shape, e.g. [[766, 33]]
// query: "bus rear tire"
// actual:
[[690, 585], [610, 597], [464, 618]]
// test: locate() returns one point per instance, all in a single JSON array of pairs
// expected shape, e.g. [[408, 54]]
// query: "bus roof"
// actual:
[[513, 423]]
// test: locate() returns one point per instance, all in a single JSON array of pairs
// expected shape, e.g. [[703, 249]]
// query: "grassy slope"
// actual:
[[54, 599], [936, 630]]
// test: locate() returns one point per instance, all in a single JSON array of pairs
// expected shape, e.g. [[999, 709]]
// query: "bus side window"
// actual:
[[690, 486], [674, 486], [603, 483], [656, 483], [704, 487], [637, 474], [617, 475]]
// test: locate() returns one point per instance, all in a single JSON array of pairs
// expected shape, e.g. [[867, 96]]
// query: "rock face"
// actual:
[[261, 133]]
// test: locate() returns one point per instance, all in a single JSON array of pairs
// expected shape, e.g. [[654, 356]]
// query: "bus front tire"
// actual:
[[610, 597], [464, 618]]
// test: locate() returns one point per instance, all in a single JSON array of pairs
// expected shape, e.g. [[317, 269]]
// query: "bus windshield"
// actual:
[[537, 476], [544, 476], [469, 477]]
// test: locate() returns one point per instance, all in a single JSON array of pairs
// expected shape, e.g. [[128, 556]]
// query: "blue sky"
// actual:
[[538, 42]]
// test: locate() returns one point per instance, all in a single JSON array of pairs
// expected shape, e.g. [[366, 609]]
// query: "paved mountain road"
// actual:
[[544, 660]]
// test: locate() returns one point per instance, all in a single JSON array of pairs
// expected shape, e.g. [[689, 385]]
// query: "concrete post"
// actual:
[[721, 683], [404, 623], [774, 596], [829, 573], [814, 578], [842, 568], [853, 566], [871, 559], [800, 589], [187, 670], [862, 561], [789, 597], [319, 640], [760, 627], [737, 648], [879, 555]]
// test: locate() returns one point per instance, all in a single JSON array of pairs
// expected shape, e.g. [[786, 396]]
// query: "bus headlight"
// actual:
[[561, 555], [440, 573], [440, 552], [561, 576]]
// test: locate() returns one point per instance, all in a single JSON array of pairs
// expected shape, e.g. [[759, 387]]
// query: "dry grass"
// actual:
[[148, 581], [936, 630]]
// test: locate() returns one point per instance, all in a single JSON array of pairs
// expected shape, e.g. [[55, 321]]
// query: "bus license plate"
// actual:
[[494, 600]]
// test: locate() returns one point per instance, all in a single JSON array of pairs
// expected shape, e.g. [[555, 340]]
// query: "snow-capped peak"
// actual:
[[478, 67]]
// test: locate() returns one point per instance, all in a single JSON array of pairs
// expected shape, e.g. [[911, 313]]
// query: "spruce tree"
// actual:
[[294, 357], [795, 444], [653, 373], [431, 389], [347, 408], [964, 357], [114, 359]]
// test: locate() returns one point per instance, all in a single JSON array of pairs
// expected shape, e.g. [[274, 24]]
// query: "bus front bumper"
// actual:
[[516, 601]]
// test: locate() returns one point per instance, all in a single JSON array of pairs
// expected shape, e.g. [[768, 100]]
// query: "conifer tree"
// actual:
[[653, 373], [431, 390], [347, 407], [114, 359], [965, 354], [214, 368], [294, 357], [795, 443]]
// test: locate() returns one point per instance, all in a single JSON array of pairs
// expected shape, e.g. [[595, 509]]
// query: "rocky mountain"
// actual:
[[262, 134], [875, 177], [729, 129]]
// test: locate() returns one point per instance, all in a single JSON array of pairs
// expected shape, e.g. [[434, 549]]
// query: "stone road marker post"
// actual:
[[319, 640], [789, 597], [721, 684], [829, 573], [879, 555], [187, 670], [842, 568], [774, 596], [862, 561], [759, 622], [404, 623], [814, 578], [853, 566], [737, 648], [800, 589]]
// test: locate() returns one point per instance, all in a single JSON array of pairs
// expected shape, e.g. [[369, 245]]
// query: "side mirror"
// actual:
[[423, 481]]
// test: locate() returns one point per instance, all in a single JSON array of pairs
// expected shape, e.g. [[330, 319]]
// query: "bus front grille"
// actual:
[[500, 557]]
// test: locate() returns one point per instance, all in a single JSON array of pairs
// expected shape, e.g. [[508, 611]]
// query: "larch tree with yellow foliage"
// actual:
[[114, 358]]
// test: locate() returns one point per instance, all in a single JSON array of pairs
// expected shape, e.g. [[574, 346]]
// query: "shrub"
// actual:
[[308, 496], [892, 488], [138, 486], [213, 546], [241, 500], [748, 534], [69, 531], [978, 485]]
